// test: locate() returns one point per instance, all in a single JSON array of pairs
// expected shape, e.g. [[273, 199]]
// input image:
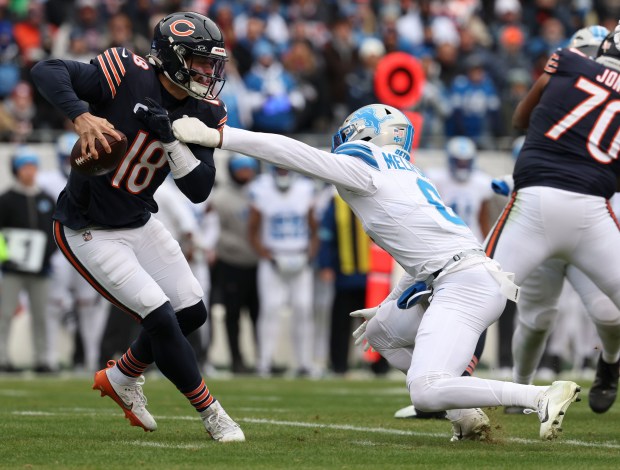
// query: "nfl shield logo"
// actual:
[[87, 236]]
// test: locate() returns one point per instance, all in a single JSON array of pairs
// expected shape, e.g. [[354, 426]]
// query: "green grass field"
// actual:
[[290, 424]]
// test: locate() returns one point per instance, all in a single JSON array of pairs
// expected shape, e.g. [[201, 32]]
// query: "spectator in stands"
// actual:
[[302, 62], [33, 35], [361, 82], [121, 34], [17, 114], [340, 56], [9, 68], [277, 96], [475, 105], [243, 50], [86, 23]]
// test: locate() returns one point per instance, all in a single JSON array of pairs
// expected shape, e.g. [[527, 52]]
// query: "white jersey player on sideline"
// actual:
[[68, 290], [402, 212], [463, 187], [282, 230], [197, 232]]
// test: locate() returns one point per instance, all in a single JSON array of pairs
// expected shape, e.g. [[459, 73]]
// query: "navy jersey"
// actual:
[[124, 198], [572, 141]]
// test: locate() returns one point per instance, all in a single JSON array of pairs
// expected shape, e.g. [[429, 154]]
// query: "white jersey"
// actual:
[[398, 206], [284, 227], [464, 197]]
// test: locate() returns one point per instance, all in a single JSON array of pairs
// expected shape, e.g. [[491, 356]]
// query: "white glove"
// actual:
[[360, 334], [193, 130]]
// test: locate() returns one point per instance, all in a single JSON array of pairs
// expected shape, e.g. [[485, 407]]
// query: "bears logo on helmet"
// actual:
[[180, 40]]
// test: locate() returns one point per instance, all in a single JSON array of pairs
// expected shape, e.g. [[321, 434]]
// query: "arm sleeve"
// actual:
[[197, 184], [341, 170], [67, 84]]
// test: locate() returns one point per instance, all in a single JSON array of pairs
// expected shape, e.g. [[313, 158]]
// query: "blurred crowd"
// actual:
[[301, 66]]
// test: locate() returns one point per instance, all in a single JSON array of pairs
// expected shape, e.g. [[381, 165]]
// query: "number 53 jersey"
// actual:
[[124, 198], [573, 139]]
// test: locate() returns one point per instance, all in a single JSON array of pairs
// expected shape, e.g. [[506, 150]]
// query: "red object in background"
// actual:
[[378, 284], [399, 80], [417, 121]]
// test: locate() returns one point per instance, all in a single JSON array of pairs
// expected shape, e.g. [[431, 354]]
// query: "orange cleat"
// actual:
[[130, 398]]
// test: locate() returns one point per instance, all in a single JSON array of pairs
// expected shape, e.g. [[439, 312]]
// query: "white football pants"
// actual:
[[445, 334], [136, 269], [276, 291]]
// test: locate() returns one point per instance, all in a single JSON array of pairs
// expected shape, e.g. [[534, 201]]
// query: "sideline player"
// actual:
[[67, 288], [402, 212], [103, 224], [541, 288], [283, 231]]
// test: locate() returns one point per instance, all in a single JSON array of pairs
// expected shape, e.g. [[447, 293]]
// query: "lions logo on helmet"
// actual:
[[588, 40], [377, 123], [461, 156], [609, 51], [178, 40]]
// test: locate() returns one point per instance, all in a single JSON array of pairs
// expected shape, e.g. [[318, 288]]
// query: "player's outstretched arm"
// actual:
[[350, 173]]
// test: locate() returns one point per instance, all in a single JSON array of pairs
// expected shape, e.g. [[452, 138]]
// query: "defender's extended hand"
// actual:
[[193, 130], [360, 333]]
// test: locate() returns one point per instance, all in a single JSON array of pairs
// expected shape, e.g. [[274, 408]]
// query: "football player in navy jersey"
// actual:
[[565, 174], [103, 224]]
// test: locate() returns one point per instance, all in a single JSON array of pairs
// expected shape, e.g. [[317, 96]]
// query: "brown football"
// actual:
[[106, 162]]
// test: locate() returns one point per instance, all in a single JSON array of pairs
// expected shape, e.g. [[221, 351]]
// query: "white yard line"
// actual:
[[340, 427]]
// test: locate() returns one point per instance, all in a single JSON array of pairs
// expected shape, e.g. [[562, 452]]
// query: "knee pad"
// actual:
[[192, 318], [422, 392]]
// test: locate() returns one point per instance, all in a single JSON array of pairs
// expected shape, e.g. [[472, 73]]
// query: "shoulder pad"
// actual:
[[358, 149]]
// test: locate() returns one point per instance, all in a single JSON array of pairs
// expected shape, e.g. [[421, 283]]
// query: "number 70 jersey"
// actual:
[[573, 141]]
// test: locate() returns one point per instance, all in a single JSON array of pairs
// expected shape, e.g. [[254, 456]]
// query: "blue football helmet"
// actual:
[[461, 157], [588, 40], [380, 124], [64, 145]]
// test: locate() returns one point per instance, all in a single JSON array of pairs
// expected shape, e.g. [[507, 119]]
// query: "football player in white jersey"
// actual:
[[68, 289], [283, 231], [463, 187], [402, 212]]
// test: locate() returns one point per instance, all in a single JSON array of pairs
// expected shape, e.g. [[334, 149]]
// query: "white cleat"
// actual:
[[469, 425], [406, 412], [130, 398], [552, 407], [220, 426]]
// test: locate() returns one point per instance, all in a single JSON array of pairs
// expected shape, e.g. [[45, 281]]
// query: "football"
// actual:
[[106, 162]]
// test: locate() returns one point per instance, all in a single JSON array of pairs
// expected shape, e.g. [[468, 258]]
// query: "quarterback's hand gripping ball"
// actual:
[[106, 162]]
